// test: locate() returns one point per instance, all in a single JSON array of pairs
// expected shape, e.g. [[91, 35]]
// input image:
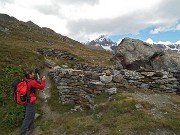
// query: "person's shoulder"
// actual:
[[30, 80]]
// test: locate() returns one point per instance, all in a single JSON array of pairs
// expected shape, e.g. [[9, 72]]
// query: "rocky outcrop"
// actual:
[[135, 54], [4, 29], [31, 24], [6, 17]]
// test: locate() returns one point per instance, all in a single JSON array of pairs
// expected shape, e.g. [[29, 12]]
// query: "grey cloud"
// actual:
[[168, 12], [169, 9], [6, 1], [163, 14], [73, 2], [131, 23], [2, 2], [55, 6], [52, 8], [48, 9]]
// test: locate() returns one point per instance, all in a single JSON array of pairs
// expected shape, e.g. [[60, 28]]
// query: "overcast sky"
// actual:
[[87, 19]]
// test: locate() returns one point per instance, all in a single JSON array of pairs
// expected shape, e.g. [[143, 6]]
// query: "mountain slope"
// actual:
[[19, 42], [13, 30]]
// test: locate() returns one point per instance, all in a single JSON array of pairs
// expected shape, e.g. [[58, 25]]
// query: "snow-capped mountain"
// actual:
[[173, 47], [102, 42]]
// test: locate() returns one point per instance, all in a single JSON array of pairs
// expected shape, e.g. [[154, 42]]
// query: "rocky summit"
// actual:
[[101, 43], [135, 54]]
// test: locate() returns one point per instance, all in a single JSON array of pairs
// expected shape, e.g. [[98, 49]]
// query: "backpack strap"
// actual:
[[30, 89], [28, 98]]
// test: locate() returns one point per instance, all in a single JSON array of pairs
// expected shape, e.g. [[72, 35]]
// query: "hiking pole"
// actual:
[[38, 76]]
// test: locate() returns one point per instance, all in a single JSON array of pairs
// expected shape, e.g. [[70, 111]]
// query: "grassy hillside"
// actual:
[[18, 44], [120, 116]]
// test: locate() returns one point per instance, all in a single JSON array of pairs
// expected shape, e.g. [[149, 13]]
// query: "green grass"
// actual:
[[13, 60], [101, 98], [11, 114], [134, 122], [18, 52], [172, 121], [119, 116], [54, 101]]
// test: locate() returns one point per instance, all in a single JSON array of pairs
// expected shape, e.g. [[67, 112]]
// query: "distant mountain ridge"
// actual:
[[173, 47], [103, 42]]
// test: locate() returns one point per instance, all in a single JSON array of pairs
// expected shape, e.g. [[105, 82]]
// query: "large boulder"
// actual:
[[135, 54]]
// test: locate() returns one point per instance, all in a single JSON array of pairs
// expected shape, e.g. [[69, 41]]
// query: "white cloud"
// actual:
[[85, 19], [164, 42], [178, 42], [178, 27], [175, 27], [157, 30], [150, 41]]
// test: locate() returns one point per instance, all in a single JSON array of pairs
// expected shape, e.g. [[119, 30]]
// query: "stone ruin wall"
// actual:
[[79, 86]]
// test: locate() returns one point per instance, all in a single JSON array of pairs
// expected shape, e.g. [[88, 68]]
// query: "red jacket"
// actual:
[[32, 86]]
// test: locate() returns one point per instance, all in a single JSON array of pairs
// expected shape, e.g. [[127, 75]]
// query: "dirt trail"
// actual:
[[47, 113]]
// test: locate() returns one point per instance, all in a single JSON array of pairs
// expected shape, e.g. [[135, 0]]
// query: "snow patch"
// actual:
[[107, 48]]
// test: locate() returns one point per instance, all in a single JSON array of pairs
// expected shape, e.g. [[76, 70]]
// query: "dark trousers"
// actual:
[[28, 122]]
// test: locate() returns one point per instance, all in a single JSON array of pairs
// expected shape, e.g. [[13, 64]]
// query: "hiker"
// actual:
[[28, 122]]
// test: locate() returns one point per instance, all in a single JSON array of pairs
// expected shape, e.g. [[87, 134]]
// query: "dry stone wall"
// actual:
[[79, 86], [56, 53]]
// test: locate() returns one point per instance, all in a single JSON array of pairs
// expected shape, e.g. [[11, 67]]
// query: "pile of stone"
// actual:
[[71, 87], [155, 80], [4, 29], [80, 86], [56, 53]]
